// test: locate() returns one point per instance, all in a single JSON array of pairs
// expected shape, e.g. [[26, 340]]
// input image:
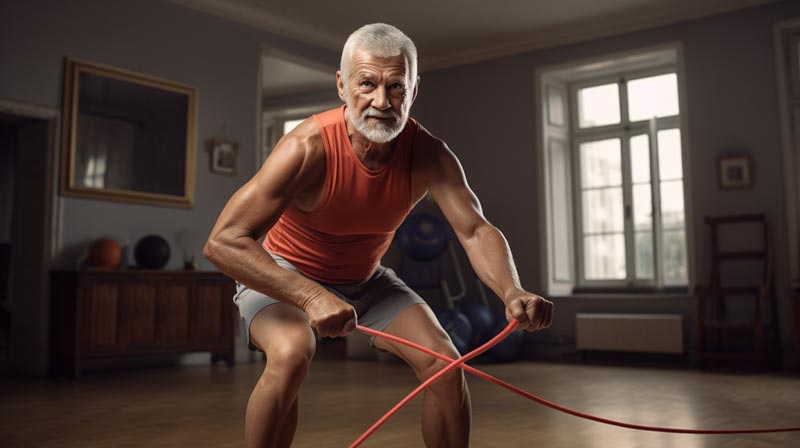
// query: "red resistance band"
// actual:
[[460, 363]]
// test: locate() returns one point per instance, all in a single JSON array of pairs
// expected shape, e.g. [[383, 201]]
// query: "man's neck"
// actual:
[[369, 152]]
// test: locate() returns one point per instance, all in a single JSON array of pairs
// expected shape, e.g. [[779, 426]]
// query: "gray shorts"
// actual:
[[377, 300]]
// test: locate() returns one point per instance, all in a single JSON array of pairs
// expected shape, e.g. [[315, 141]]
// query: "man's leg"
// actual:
[[447, 412], [282, 332]]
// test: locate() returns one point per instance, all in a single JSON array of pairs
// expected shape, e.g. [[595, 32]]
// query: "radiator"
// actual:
[[651, 333]]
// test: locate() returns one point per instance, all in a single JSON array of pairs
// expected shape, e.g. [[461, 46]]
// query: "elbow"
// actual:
[[210, 250], [479, 230]]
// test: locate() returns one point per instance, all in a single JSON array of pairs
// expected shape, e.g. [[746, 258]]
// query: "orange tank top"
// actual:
[[344, 238]]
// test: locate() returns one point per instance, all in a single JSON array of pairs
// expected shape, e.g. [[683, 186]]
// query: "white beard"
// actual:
[[379, 132]]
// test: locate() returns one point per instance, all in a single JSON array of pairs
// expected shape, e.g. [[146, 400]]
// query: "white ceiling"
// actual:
[[453, 32], [282, 76]]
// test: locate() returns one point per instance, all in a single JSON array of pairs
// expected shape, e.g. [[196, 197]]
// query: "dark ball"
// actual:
[[423, 237], [151, 252], [482, 322]]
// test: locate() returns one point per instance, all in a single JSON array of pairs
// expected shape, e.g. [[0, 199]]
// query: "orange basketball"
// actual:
[[104, 253]]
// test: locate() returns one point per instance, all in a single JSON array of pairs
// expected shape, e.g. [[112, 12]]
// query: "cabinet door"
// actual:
[[174, 316], [138, 303], [212, 311], [98, 319]]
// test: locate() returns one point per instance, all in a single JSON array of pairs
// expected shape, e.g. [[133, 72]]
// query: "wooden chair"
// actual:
[[736, 319]]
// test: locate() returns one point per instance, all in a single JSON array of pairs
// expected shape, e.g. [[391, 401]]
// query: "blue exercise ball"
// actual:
[[458, 327], [509, 348], [482, 322], [423, 237], [151, 252]]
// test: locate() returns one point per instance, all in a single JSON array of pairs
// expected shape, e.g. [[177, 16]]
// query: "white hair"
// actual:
[[381, 40]]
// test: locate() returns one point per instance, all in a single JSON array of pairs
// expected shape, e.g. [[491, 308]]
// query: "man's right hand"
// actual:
[[330, 316]]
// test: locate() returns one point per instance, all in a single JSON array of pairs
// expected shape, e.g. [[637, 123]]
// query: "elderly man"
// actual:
[[329, 199]]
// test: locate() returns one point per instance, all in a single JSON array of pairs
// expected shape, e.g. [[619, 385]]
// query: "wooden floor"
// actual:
[[204, 407]]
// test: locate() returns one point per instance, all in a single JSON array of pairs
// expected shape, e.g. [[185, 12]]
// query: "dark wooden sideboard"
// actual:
[[103, 315]]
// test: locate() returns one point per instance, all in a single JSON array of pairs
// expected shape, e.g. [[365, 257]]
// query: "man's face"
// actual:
[[378, 95]]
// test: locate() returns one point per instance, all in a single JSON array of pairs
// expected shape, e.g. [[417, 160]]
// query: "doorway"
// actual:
[[292, 88], [787, 60], [27, 182]]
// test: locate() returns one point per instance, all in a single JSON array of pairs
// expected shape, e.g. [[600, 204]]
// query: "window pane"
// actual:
[[643, 230], [289, 125], [669, 154], [598, 106], [672, 216], [602, 211], [642, 208], [640, 158], [561, 208], [655, 96], [675, 257], [555, 107], [601, 163], [644, 255], [604, 257]]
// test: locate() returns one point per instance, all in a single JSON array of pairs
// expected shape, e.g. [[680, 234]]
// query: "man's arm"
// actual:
[[233, 247], [485, 245]]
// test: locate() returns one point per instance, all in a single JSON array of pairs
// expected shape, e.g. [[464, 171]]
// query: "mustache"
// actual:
[[375, 113]]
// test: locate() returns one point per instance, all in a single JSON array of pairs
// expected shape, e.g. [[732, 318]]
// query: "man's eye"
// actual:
[[396, 86], [366, 84]]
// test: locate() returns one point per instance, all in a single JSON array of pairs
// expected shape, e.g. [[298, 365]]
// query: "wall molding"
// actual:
[[564, 34]]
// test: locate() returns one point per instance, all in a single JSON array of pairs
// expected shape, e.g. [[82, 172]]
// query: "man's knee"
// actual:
[[291, 354], [431, 366], [293, 358]]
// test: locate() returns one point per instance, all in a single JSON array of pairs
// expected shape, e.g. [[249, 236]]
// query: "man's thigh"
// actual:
[[418, 324], [280, 325], [380, 300]]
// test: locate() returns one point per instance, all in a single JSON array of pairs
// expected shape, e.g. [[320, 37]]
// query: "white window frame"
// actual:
[[624, 130], [786, 70]]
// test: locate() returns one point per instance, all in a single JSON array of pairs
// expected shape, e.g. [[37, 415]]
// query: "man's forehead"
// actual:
[[364, 59]]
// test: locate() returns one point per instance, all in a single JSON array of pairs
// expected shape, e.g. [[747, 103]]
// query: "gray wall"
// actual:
[[218, 57], [485, 112], [487, 115]]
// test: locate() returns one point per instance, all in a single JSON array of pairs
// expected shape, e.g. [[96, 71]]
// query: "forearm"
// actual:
[[490, 256], [243, 259]]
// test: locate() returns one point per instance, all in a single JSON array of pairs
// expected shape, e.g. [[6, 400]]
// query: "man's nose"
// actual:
[[380, 99]]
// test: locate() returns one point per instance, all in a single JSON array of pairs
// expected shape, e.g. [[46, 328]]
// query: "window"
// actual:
[[613, 157], [288, 125]]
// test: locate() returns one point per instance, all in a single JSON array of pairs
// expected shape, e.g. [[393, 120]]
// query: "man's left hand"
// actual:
[[532, 312]]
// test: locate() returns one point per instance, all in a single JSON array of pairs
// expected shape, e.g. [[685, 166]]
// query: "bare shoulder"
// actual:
[[434, 164], [298, 158], [432, 157], [303, 144]]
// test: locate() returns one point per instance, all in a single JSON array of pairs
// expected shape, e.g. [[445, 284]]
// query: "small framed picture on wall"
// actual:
[[224, 156], [734, 172]]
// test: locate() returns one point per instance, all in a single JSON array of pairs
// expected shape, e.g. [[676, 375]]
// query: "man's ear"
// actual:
[[416, 89], [340, 85]]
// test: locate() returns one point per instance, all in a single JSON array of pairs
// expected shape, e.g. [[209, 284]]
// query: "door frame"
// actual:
[[51, 238]]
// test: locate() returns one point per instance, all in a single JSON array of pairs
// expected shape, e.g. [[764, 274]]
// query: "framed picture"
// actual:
[[127, 136], [224, 154], [734, 172]]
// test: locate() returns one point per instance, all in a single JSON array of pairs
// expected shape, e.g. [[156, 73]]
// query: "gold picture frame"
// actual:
[[127, 136]]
